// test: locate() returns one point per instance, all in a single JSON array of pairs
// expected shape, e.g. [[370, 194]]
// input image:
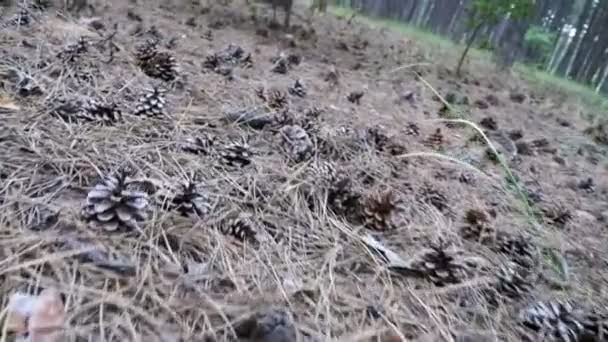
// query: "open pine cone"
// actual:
[[156, 64], [117, 203], [190, 201], [241, 228], [559, 321], [97, 111], [297, 143], [513, 281], [235, 155], [152, 103], [441, 265], [379, 211]]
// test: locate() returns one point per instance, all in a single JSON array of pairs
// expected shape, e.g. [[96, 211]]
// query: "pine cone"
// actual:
[[281, 65], [190, 201], [72, 52], [435, 140], [211, 62], [412, 129], [377, 137], [94, 110], [152, 103], [379, 211], [241, 228], [489, 123], [198, 145], [513, 281], [117, 203], [297, 143], [478, 226], [519, 248], [556, 214], [323, 173], [355, 97], [559, 321], [342, 199], [274, 97], [155, 64], [236, 155], [297, 89], [22, 18], [440, 265]]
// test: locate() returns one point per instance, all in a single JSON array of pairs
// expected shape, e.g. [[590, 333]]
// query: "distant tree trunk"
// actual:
[[574, 47]]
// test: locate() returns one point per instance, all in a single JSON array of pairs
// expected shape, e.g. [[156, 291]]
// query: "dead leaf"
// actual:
[[8, 104], [392, 259], [40, 318]]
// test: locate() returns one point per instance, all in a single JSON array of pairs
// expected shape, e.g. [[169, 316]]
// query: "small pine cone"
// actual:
[[478, 227], [476, 217], [376, 137], [435, 140], [513, 282], [412, 129], [297, 89], [163, 66], [117, 203], [297, 143], [342, 199], [146, 50], [489, 123], [22, 18], [323, 173], [233, 54], [198, 145], [556, 214], [379, 210], [282, 118], [274, 98], [97, 111], [559, 321], [281, 65], [440, 265], [241, 228], [72, 52], [519, 248], [211, 62], [156, 64], [152, 103], [355, 97], [236, 155], [190, 201]]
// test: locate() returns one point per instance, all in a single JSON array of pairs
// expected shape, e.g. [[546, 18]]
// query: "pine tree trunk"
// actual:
[[468, 47]]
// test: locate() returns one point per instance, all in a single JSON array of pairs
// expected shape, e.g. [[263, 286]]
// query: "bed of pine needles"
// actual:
[[341, 205]]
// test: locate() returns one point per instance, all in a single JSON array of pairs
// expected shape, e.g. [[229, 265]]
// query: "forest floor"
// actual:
[[391, 224]]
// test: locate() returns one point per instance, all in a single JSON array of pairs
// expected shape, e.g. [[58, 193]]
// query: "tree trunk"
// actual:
[[468, 47]]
